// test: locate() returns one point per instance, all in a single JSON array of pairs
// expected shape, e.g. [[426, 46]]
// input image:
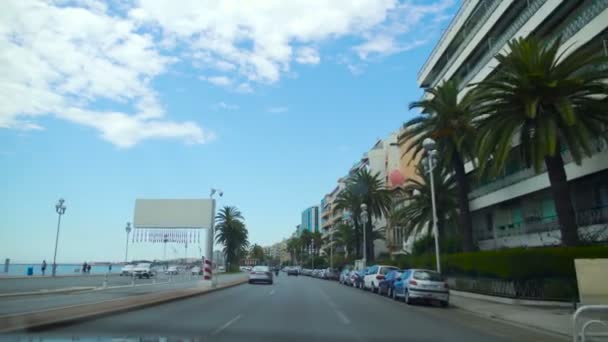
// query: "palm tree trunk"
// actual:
[[357, 239], [466, 222], [563, 203]]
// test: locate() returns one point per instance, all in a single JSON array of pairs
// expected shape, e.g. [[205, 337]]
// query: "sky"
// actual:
[[271, 101]]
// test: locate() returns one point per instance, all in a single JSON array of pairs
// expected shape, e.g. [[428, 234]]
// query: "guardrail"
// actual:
[[582, 333]]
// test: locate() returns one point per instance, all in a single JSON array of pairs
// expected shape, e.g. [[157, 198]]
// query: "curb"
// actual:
[[514, 323], [511, 301], [46, 292], [39, 320]]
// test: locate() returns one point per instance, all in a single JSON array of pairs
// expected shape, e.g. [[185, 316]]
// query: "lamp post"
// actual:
[[429, 146], [60, 209], [128, 230], [211, 232], [364, 220]]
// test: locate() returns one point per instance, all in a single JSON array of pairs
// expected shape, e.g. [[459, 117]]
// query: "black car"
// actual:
[[292, 271]]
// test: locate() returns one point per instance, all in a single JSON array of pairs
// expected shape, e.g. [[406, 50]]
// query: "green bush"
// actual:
[[513, 264]]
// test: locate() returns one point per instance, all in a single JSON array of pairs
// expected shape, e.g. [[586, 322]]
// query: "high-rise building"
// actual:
[[310, 220], [517, 208]]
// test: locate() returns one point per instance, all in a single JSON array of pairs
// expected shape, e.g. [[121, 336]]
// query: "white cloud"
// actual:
[[59, 60], [275, 110], [244, 88], [218, 80], [227, 106], [307, 55]]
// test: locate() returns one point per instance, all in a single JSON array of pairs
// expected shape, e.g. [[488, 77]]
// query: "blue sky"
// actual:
[[106, 103]]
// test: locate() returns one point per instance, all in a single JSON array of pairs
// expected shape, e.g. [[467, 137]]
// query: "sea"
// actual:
[[62, 269]]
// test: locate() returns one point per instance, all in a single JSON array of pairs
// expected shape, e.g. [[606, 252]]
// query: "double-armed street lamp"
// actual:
[[429, 165], [128, 230], [60, 209]]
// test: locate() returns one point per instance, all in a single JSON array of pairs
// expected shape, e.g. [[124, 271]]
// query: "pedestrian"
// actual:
[[89, 268], [84, 268], [43, 267], [110, 268]]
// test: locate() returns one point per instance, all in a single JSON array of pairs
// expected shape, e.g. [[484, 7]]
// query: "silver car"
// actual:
[[260, 274], [422, 285]]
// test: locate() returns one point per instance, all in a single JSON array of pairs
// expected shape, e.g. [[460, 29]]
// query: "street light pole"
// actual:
[[429, 146], [128, 230], [364, 219], [331, 248], [60, 209]]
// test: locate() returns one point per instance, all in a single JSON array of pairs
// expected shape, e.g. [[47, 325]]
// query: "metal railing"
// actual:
[[582, 334]]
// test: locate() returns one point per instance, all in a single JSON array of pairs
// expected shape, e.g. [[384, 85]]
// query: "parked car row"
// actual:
[[322, 273], [410, 285]]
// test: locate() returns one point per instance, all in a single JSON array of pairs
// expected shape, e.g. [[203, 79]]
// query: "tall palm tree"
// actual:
[[306, 240], [370, 189], [548, 102], [231, 232], [294, 247], [350, 201], [344, 236], [448, 121], [418, 213], [316, 239]]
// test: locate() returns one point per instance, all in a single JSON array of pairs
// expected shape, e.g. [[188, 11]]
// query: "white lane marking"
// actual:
[[226, 325], [343, 317], [271, 292]]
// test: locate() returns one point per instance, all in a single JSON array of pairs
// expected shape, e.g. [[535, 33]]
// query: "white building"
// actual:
[[517, 209]]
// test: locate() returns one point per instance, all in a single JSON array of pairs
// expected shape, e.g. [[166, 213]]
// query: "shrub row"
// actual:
[[511, 264]]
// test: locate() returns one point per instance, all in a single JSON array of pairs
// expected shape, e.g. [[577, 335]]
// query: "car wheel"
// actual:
[[407, 298], [394, 295], [444, 303]]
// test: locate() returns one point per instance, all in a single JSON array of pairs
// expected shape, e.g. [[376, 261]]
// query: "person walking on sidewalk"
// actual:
[[84, 268], [89, 268], [43, 267]]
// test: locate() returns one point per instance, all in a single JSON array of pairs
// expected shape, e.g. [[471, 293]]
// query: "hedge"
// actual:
[[511, 264]]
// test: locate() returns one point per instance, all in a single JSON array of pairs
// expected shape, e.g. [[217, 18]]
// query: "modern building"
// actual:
[[517, 208], [310, 220]]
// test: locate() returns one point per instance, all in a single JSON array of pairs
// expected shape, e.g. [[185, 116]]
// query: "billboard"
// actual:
[[173, 213]]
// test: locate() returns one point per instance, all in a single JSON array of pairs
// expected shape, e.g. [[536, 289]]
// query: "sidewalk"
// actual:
[[555, 320]]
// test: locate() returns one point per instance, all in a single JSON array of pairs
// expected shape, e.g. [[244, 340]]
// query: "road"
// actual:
[[24, 304], [297, 309]]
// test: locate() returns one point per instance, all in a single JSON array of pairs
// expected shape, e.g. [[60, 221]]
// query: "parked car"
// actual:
[[343, 277], [144, 270], [358, 278], [260, 274], [331, 274], [385, 287], [421, 285], [350, 279], [292, 271], [196, 270], [172, 270], [374, 275], [127, 270]]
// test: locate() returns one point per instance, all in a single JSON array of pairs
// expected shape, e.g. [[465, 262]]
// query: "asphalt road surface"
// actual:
[[295, 309]]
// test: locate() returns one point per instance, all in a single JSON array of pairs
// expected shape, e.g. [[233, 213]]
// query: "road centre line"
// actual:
[[226, 325]]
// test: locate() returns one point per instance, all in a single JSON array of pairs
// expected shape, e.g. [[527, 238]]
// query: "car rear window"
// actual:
[[427, 275], [261, 269]]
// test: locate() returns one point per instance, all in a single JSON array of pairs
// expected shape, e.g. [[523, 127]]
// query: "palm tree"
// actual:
[[371, 191], [294, 247], [418, 213], [448, 121], [350, 201], [257, 253], [305, 241], [547, 102], [344, 236], [316, 239], [231, 232]]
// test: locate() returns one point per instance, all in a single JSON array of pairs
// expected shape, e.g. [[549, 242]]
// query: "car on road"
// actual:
[[172, 270], [127, 270], [292, 271], [374, 275], [144, 270], [260, 274], [221, 269], [196, 270], [385, 287], [422, 285], [330, 274]]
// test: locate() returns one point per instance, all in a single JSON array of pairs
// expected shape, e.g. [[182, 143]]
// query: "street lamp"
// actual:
[[211, 232], [364, 220], [429, 146], [60, 209], [128, 230]]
